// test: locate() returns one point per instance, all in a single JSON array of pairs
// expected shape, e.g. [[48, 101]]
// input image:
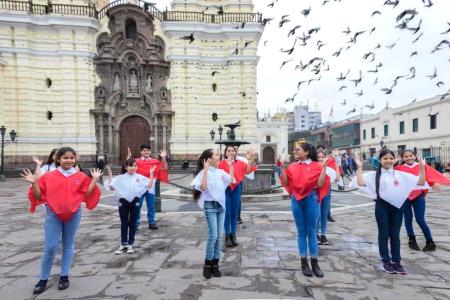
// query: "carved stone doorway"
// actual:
[[268, 155], [134, 131]]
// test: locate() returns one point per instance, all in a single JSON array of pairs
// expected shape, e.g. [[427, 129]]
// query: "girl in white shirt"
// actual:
[[48, 167], [129, 186], [389, 189], [209, 186]]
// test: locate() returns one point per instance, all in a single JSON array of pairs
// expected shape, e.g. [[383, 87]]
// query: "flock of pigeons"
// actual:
[[408, 20]]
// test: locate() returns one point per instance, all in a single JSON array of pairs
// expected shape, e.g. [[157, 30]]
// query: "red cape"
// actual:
[[64, 194], [303, 179], [144, 166], [431, 176], [240, 170]]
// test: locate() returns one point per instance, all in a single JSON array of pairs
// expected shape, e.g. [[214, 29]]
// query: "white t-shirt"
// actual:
[[217, 182], [129, 186], [395, 186], [47, 168]]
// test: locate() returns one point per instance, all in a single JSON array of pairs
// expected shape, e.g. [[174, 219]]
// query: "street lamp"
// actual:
[[212, 133], [12, 135]]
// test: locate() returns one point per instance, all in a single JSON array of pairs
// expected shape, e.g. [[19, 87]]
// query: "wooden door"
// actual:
[[134, 131], [268, 155]]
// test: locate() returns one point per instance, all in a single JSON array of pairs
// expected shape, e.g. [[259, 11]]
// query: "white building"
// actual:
[[272, 137], [421, 126], [304, 119]]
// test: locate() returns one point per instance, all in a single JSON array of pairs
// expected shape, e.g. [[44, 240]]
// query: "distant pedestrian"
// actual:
[[209, 185], [389, 188], [129, 186], [374, 162], [62, 192]]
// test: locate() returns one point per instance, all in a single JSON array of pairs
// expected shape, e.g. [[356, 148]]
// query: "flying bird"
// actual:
[[342, 87], [434, 75], [306, 12], [292, 31], [352, 111], [439, 84], [372, 106], [359, 94], [393, 3], [284, 62], [291, 99], [344, 102], [377, 12], [448, 30], [189, 38]]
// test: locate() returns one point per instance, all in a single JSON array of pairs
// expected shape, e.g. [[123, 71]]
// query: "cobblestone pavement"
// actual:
[[167, 263]]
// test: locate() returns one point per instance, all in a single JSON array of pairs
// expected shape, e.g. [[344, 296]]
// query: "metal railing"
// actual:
[[39, 9]]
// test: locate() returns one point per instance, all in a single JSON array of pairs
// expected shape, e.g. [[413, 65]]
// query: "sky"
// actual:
[[275, 85]]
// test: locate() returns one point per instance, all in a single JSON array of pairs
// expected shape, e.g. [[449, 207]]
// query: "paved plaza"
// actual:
[[167, 263]]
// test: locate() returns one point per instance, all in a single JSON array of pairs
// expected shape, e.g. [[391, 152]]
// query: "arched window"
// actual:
[[130, 29]]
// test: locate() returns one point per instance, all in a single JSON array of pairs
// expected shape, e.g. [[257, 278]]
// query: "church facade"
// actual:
[[103, 80]]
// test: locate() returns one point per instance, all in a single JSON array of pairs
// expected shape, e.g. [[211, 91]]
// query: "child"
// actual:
[[129, 186], [305, 180], [48, 167], [332, 172], [233, 192], [416, 199], [390, 189], [209, 185], [62, 192], [144, 164]]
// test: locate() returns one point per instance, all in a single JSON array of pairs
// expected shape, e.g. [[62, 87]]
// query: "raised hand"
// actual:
[[96, 173], [422, 162], [250, 154], [358, 161], [37, 161], [29, 176], [128, 153], [229, 162], [163, 153], [325, 161], [207, 163], [437, 187]]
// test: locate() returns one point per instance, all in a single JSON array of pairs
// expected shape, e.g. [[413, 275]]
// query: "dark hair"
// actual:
[[383, 153], [62, 151], [208, 153], [146, 146], [407, 150], [50, 159], [128, 163], [321, 151], [312, 154], [225, 151]]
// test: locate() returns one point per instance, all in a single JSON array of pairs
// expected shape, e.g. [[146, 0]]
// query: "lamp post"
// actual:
[[12, 135], [212, 133]]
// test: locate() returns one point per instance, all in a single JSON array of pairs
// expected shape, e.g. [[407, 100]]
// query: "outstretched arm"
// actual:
[[422, 176], [323, 174], [283, 176]]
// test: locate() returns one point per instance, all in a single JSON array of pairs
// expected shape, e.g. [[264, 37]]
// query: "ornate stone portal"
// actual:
[[133, 104]]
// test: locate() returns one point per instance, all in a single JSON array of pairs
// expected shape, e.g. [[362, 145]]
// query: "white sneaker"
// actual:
[[130, 250], [122, 249]]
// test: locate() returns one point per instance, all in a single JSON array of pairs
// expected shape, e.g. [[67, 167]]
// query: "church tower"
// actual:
[[213, 73]]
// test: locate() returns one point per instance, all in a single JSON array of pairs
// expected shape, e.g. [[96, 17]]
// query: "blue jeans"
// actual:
[[419, 212], [232, 203], [389, 220], [306, 215], [150, 199], [54, 229], [325, 206], [128, 212], [215, 215]]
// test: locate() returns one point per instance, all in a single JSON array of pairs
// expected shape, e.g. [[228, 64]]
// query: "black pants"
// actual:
[[128, 213]]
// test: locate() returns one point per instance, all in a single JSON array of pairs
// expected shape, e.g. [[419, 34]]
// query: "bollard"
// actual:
[[157, 196]]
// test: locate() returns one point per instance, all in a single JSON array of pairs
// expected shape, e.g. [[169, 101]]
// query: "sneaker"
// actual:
[[389, 268], [130, 249], [239, 220], [319, 240], [324, 240], [399, 268], [122, 249], [330, 219], [152, 226]]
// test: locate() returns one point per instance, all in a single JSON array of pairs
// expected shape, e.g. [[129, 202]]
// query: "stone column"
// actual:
[[101, 134], [110, 136], [164, 132], [155, 128]]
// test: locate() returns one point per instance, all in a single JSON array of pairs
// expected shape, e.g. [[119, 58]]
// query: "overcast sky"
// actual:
[[275, 85]]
